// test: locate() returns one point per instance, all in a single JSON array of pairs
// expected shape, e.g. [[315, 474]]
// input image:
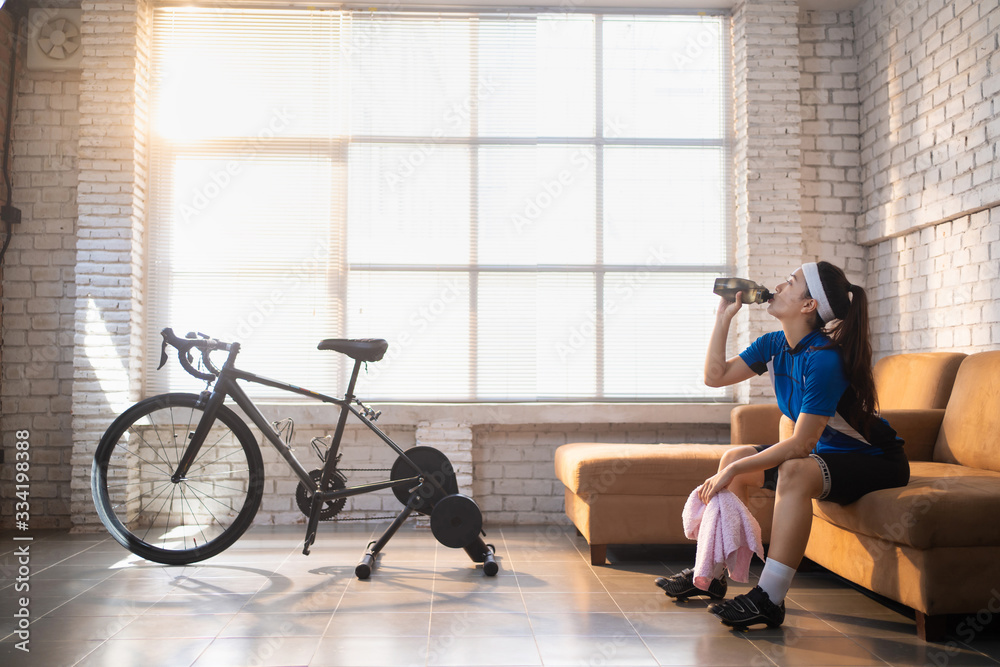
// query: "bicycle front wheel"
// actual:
[[189, 520]]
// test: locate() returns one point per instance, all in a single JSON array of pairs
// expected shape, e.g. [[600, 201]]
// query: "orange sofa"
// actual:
[[933, 545], [634, 494]]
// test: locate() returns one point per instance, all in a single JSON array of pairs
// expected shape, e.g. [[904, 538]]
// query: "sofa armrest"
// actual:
[[754, 424], [918, 428]]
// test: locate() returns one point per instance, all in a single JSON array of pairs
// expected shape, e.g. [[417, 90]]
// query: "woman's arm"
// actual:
[[808, 429], [719, 371]]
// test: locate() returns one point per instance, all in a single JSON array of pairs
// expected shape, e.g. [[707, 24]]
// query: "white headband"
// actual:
[[815, 285]]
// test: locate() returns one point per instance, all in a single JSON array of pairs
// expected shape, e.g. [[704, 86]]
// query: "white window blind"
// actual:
[[526, 206]]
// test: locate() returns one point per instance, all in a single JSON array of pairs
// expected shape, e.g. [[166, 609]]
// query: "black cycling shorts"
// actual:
[[848, 476]]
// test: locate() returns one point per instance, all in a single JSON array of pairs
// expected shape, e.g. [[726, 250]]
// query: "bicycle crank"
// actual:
[[332, 507]]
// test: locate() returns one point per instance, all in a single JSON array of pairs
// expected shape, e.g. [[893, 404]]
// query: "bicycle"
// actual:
[[178, 478]]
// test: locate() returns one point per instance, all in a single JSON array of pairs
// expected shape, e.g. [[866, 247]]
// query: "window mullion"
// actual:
[[599, 201], [474, 210]]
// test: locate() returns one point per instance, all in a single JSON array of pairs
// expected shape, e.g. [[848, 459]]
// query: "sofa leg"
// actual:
[[931, 628], [598, 554]]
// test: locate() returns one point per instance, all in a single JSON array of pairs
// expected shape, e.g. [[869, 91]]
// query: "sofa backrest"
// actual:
[[916, 381], [910, 381], [970, 432]]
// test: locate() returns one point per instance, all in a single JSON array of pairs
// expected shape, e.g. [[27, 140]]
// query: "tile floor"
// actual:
[[263, 603]]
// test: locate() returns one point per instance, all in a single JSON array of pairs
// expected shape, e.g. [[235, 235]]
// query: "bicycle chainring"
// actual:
[[332, 507]]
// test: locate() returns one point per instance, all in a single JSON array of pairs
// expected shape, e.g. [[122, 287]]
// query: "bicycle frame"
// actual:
[[226, 385]]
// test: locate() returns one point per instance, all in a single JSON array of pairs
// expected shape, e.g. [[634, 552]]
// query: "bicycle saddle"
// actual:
[[363, 349]]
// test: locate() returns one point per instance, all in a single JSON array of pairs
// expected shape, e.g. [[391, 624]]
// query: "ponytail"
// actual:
[[850, 333]]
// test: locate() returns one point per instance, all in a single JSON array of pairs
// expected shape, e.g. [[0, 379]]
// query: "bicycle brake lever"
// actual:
[[163, 354]]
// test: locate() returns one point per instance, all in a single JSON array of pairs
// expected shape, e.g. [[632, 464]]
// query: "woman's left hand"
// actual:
[[716, 483]]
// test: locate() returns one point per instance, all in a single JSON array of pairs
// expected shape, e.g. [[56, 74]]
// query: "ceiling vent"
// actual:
[[54, 39]]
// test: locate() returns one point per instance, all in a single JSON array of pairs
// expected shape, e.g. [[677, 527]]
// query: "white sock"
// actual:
[[776, 579], [719, 570]]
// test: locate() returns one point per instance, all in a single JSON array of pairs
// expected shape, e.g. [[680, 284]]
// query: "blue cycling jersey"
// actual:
[[810, 378]]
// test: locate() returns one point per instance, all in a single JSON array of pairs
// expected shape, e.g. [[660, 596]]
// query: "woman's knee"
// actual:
[[735, 454], [800, 475]]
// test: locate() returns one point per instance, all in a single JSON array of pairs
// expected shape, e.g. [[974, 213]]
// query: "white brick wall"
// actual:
[[929, 153], [767, 121], [831, 169], [929, 73], [111, 197], [938, 288], [38, 292]]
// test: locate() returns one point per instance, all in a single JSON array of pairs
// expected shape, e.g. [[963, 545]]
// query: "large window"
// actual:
[[526, 206]]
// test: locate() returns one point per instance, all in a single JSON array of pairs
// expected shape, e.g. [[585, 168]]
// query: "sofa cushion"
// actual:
[[916, 380], [944, 505], [636, 470], [968, 434]]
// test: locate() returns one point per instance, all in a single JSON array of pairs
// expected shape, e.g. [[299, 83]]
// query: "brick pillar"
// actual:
[[111, 199], [831, 153], [767, 120]]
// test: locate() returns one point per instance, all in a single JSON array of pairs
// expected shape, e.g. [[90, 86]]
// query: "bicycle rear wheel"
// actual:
[[181, 522]]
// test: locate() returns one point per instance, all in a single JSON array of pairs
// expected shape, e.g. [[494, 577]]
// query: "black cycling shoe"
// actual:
[[750, 609], [681, 586]]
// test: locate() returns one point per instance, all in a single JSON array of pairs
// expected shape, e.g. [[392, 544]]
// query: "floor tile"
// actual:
[[601, 624], [481, 601], [297, 624], [909, 651], [573, 583], [447, 651], [187, 626], [97, 607], [45, 652], [305, 603], [363, 652], [986, 643], [795, 651], [641, 583], [173, 605], [838, 603], [569, 602], [541, 568], [887, 624], [460, 583], [712, 649], [480, 624], [259, 652], [378, 602], [379, 624], [171, 652], [651, 601], [676, 623], [52, 629], [610, 651]]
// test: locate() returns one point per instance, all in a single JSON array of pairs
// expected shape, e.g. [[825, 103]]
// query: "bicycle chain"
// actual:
[[362, 518]]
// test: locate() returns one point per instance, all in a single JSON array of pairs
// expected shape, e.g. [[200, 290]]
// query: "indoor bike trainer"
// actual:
[[178, 478]]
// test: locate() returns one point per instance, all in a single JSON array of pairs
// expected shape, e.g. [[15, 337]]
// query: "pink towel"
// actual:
[[726, 533]]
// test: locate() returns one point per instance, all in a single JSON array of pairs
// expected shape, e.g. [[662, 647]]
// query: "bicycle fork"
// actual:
[[197, 439]]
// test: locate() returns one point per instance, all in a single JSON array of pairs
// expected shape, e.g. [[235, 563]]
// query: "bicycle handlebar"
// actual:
[[184, 346]]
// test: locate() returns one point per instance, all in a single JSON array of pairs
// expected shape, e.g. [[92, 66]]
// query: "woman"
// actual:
[[820, 366]]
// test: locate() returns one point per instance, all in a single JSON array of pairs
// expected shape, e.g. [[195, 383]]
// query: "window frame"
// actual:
[[599, 270]]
